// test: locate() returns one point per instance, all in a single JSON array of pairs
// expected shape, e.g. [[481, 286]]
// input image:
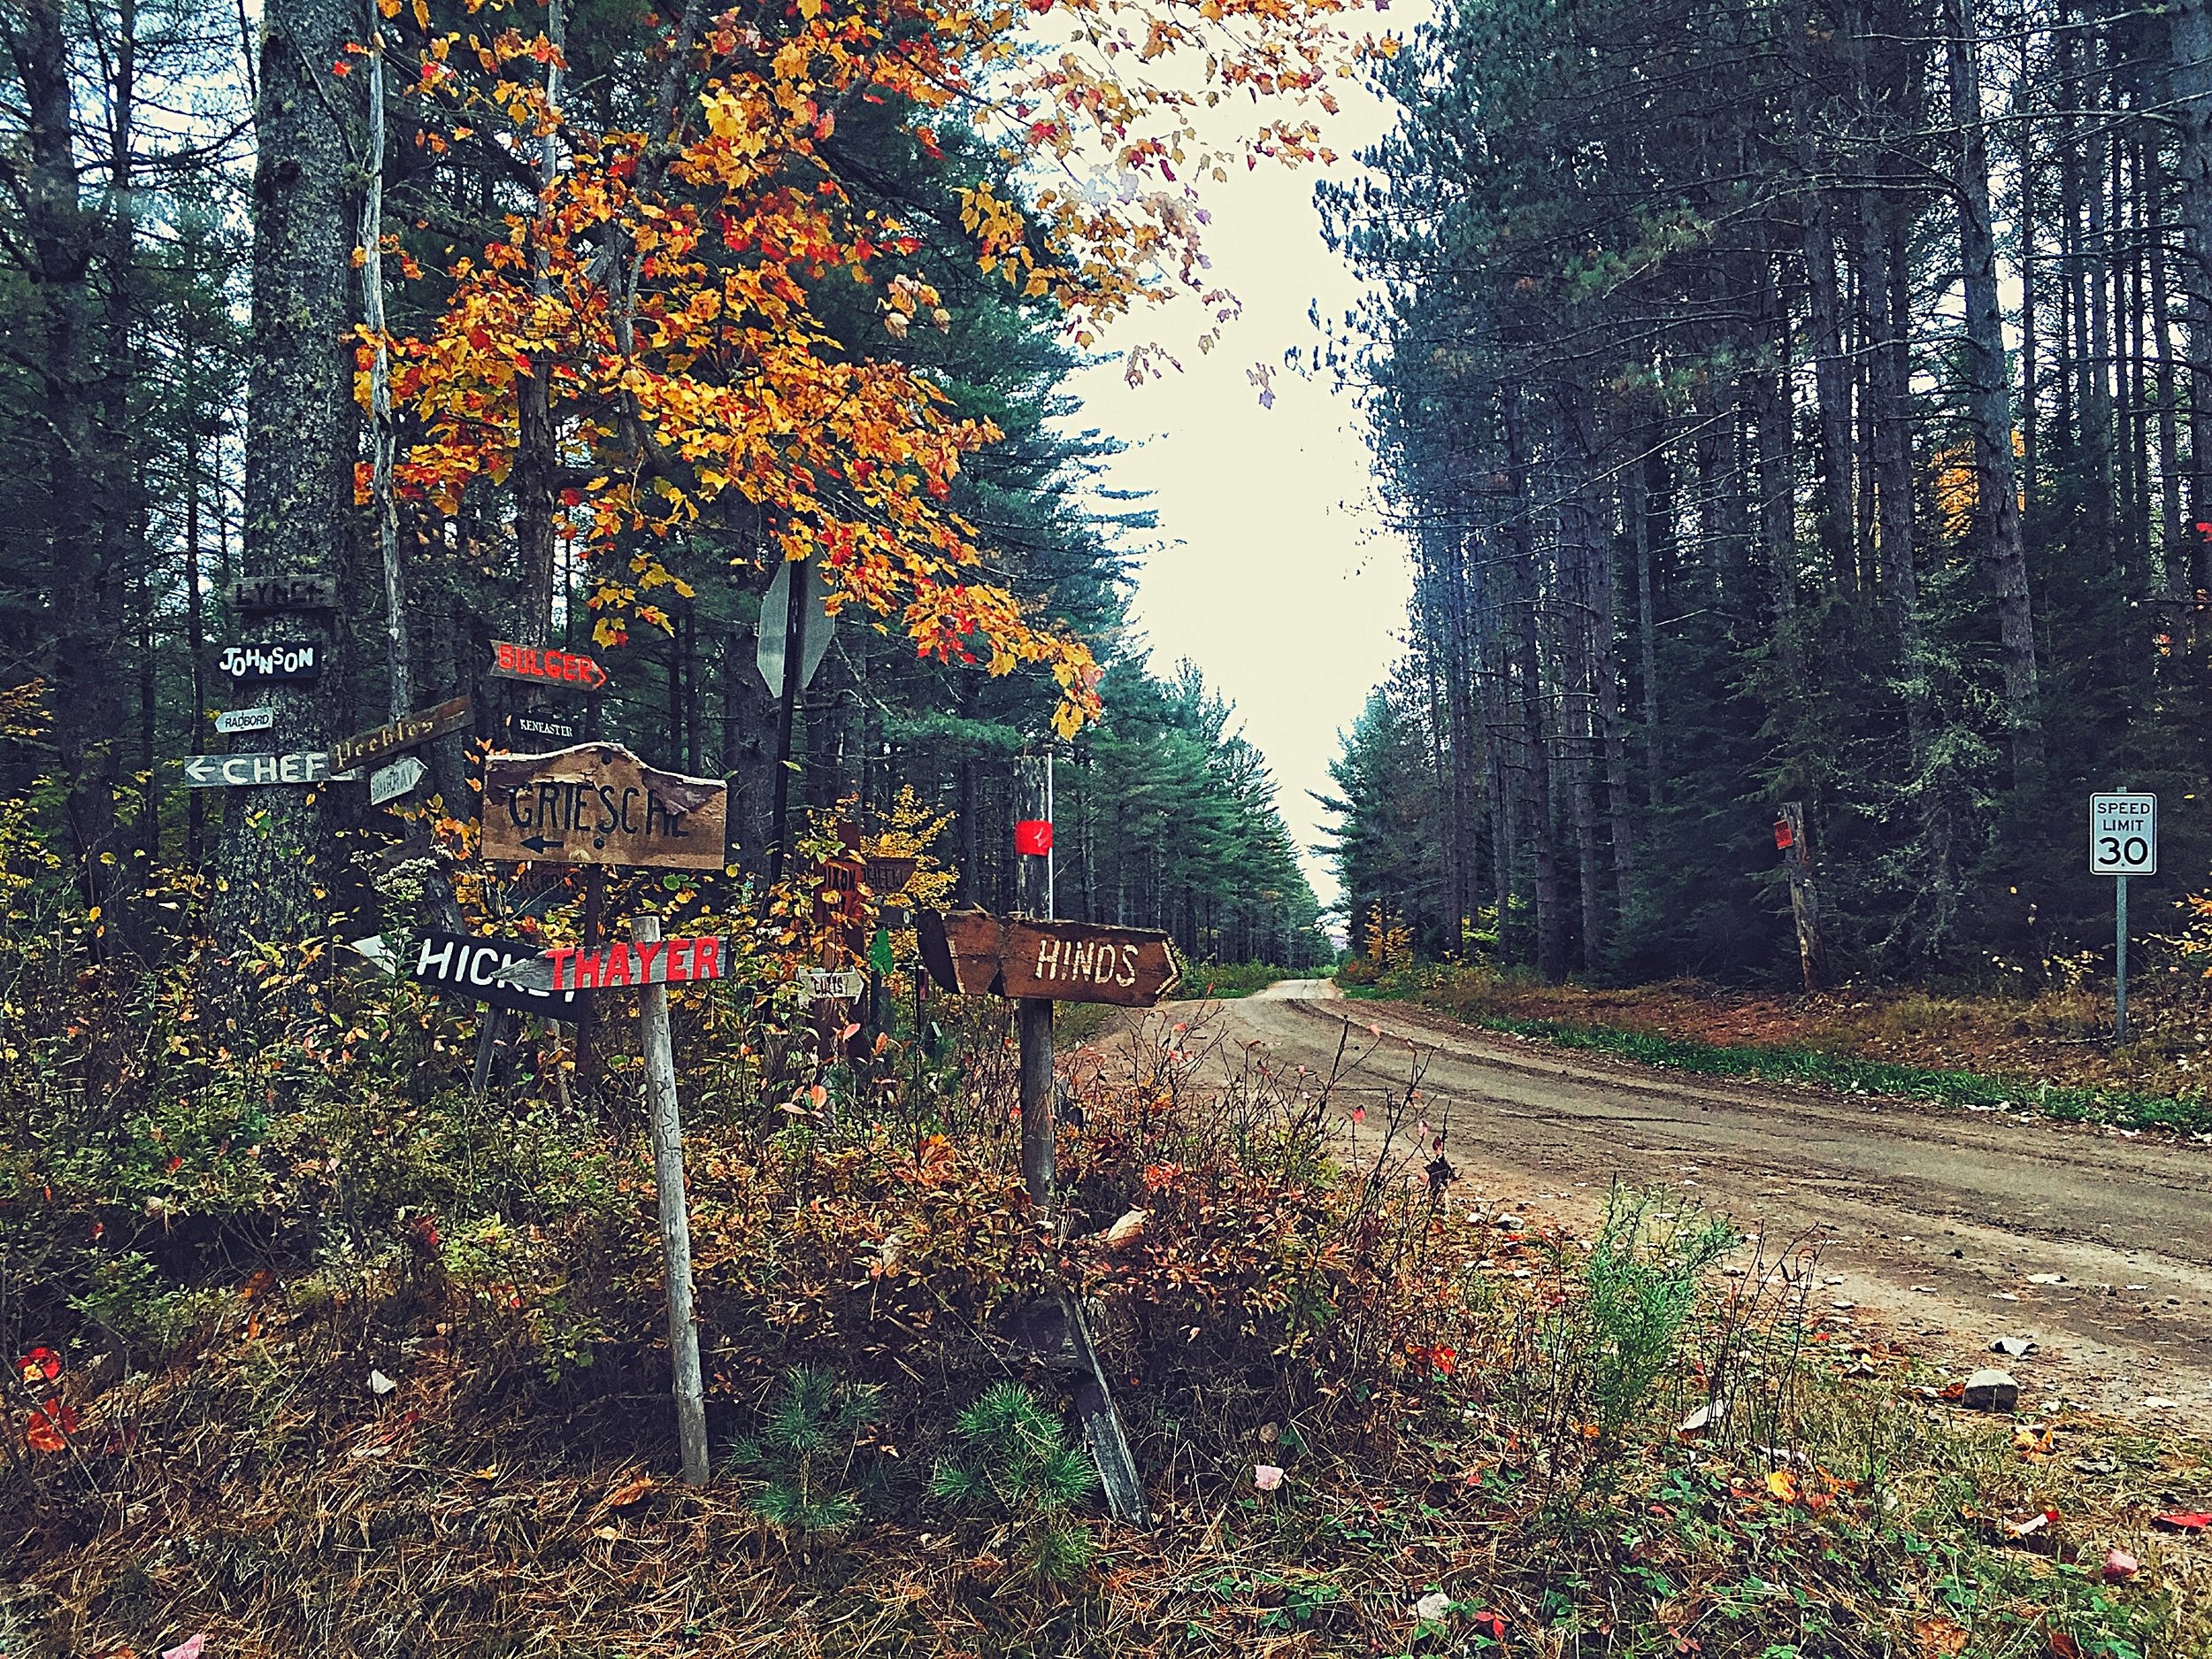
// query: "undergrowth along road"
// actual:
[[1827, 1065]]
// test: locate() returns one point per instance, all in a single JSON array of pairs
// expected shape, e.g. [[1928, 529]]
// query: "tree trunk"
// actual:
[[2191, 45], [1989, 406], [1831, 386], [2173, 531], [79, 534], [299, 445], [1551, 929]]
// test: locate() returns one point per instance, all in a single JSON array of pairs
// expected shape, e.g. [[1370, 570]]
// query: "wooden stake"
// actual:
[[587, 1023], [1812, 959], [668, 1178]]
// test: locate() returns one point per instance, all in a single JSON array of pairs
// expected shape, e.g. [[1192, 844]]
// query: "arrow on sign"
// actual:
[[538, 844], [395, 780]]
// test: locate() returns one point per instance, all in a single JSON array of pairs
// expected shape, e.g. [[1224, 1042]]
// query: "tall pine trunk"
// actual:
[[1989, 404]]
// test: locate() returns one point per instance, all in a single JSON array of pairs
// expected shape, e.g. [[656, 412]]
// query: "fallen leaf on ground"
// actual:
[[2183, 1520], [2119, 1564], [623, 1496], [190, 1649]]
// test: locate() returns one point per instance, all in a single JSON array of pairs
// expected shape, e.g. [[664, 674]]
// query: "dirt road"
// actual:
[[1936, 1226]]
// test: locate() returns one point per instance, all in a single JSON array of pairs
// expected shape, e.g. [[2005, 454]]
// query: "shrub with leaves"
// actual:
[[1014, 1461], [803, 1454]]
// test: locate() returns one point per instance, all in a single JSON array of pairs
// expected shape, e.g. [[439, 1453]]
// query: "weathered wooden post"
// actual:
[[1789, 836], [668, 1180], [1037, 963], [1032, 1015]]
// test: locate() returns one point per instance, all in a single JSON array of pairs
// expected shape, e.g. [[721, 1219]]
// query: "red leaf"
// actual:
[[47, 1433], [2183, 1521], [42, 1361]]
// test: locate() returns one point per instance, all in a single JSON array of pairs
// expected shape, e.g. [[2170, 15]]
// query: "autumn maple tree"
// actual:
[[646, 337]]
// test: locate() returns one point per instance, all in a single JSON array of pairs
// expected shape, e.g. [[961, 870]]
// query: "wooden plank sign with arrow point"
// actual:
[[390, 782], [484, 969], [682, 960], [241, 771], [599, 804], [974, 952], [544, 667], [363, 748]]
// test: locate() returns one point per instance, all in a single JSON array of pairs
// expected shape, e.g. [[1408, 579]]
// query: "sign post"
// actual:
[[1032, 844], [2122, 843], [1038, 961], [668, 1180]]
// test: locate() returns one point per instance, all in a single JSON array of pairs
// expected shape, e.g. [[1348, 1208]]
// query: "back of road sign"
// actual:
[[775, 622], [2123, 834]]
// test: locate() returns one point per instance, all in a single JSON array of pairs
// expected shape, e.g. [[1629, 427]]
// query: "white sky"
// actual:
[[1271, 568]]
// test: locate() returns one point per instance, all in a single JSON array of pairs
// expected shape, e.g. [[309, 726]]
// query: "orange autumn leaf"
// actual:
[[658, 308]]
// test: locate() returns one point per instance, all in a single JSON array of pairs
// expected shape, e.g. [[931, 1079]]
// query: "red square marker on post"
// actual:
[[1033, 836]]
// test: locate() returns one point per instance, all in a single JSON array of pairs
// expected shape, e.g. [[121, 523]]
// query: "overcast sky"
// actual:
[[1271, 568]]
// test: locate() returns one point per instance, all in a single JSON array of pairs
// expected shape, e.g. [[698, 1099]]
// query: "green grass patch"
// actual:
[[2190, 1114]]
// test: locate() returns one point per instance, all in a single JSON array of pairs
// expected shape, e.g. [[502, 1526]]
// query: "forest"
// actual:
[[1840, 444], [283, 304]]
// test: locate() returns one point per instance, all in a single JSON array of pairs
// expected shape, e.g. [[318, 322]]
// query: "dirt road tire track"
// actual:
[[1933, 1218]]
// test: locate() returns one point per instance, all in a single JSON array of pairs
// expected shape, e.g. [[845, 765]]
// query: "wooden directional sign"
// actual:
[[245, 720], [599, 804], [284, 593], [471, 967], [390, 782], [365, 747], [889, 872], [566, 969], [826, 985], [281, 659], [538, 730], [239, 771], [974, 952], [545, 667]]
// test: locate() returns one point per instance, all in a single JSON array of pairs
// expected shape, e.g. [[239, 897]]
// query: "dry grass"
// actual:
[[1473, 1441]]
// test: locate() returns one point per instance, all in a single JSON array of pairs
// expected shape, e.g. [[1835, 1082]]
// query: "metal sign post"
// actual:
[[2122, 843]]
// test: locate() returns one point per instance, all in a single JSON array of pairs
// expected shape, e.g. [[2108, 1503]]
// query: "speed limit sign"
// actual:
[[2123, 834]]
